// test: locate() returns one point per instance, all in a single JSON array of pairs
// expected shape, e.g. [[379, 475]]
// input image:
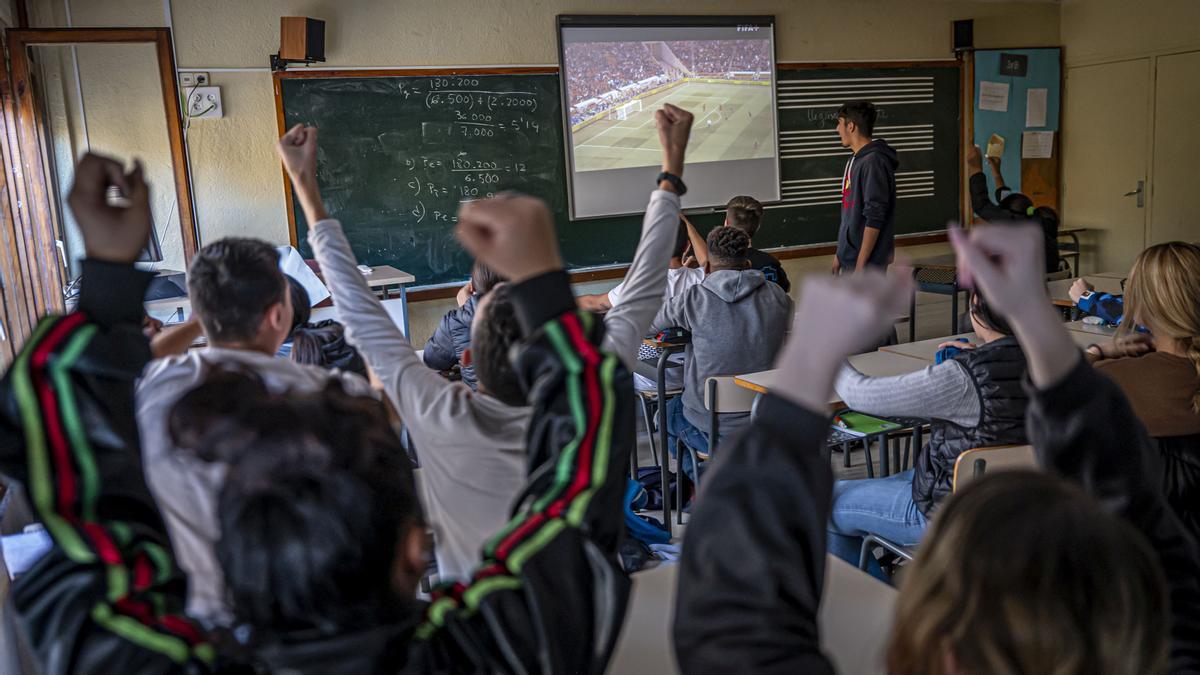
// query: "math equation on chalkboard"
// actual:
[[399, 155]]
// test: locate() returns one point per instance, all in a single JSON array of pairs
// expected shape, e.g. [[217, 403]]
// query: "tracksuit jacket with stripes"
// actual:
[[547, 597]]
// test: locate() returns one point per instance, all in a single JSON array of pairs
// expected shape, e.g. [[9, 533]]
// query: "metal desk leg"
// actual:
[[885, 466], [1078, 251], [664, 442], [404, 303], [954, 309], [912, 311]]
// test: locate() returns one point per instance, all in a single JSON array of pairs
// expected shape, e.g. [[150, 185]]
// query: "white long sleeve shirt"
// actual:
[[471, 445], [944, 392]]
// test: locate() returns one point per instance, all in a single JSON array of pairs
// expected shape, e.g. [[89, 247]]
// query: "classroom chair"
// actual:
[[649, 401], [1062, 273], [721, 395], [942, 280], [970, 465], [1070, 250]]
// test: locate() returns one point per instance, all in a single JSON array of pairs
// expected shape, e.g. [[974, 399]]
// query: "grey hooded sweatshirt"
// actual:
[[738, 322]]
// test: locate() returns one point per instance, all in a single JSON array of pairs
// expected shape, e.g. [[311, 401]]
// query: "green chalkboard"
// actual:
[[399, 153], [919, 109]]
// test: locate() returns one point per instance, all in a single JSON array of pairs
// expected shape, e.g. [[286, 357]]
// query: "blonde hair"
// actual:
[[1022, 573], [1163, 291]]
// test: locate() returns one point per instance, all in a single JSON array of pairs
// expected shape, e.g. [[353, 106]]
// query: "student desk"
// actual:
[[937, 274], [875, 364], [855, 621], [926, 350], [1092, 329], [1060, 290], [1072, 249]]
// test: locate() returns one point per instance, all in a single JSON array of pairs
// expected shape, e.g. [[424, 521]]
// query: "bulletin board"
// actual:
[[1019, 81]]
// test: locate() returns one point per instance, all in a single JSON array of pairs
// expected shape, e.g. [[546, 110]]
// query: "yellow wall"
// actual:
[[1104, 41], [1106, 30], [237, 181]]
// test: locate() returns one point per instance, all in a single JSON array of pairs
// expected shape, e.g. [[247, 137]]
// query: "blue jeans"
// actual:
[[882, 506], [679, 428]]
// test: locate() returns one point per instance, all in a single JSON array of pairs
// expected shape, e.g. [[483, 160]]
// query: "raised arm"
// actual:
[[753, 564], [548, 596], [981, 203], [697, 242], [108, 597], [368, 325], [997, 176], [642, 289], [1079, 423]]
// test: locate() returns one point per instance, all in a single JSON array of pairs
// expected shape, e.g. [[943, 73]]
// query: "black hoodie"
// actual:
[[869, 200]]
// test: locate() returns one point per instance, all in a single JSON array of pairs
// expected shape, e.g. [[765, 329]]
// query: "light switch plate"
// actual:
[[192, 78]]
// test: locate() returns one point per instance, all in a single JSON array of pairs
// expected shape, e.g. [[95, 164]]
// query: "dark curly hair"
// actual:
[[317, 493], [494, 331], [727, 246]]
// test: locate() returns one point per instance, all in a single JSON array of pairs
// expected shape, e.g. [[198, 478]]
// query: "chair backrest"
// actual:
[[730, 397], [1059, 275], [997, 458]]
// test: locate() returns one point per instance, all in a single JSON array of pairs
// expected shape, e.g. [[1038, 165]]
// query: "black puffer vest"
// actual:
[[997, 370]]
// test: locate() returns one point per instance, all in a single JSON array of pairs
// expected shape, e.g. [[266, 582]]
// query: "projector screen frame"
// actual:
[[652, 21]]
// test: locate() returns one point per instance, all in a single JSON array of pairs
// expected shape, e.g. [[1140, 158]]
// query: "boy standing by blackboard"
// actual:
[[866, 237]]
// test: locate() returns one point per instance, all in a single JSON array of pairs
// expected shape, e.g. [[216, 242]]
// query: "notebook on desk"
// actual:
[[858, 425]]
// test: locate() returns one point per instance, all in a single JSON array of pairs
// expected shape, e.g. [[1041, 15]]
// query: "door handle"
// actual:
[[1140, 192]]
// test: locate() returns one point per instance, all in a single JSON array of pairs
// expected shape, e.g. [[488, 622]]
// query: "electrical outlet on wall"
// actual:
[[203, 103]]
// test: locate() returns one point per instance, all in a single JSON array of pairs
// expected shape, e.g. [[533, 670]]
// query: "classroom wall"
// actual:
[[1104, 41], [1106, 30], [237, 181]]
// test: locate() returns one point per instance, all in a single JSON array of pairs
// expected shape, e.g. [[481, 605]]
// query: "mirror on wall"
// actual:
[[107, 99]]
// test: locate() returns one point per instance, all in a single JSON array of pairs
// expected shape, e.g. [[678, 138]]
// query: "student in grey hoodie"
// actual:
[[738, 321], [867, 235]]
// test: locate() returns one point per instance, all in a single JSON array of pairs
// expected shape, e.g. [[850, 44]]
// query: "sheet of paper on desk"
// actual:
[[1035, 108], [1037, 144], [292, 264], [993, 96]]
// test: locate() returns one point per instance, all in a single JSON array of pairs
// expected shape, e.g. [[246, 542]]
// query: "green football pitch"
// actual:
[[733, 121]]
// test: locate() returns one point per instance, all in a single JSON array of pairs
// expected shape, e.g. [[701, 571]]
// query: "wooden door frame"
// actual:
[[41, 258]]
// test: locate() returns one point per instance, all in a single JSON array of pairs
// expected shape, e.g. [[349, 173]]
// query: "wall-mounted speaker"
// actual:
[[964, 35], [301, 40]]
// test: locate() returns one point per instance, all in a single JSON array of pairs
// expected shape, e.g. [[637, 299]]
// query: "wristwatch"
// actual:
[[675, 181]]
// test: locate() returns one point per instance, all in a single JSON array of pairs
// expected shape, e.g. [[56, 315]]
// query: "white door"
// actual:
[[1175, 202], [1106, 133]]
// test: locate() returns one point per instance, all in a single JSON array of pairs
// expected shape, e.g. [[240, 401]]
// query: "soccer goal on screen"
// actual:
[[622, 113]]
